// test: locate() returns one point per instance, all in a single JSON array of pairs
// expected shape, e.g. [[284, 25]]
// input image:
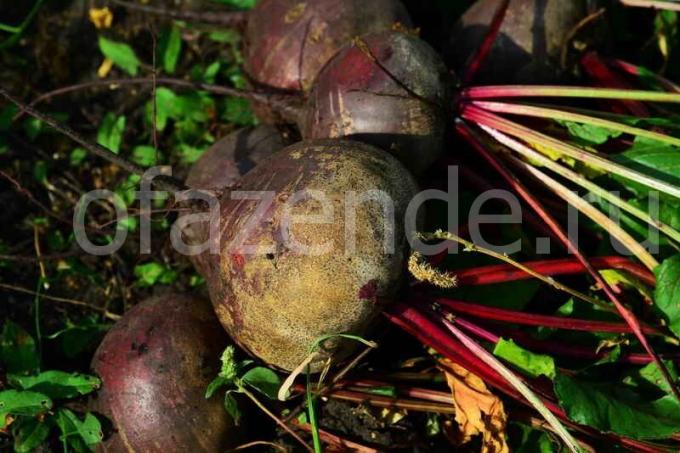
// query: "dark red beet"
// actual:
[[155, 365], [387, 89], [530, 42], [233, 156], [289, 41]]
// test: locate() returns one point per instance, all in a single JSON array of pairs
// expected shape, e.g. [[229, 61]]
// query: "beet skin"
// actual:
[[155, 365], [275, 299], [389, 90], [289, 41]]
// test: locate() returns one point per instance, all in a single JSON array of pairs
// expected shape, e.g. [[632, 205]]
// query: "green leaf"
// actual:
[[238, 111], [77, 433], [18, 402], [215, 385], [77, 157], [533, 364], [211, 72], [263, 380], [593, 135], [33, 127], [121, 54], [196, 106], [614, 408], [18, 351], [667, 294], [154, 272], [144, 155], [231, 406], [170, 45], [531, 441], [6, 115], [238, 4], [652, 158], [40, 171], [80, 337], [128, 188], [110, 133], [165, 99], [57, 384], [650, 376], [226, 36], [190, 154], [29, 434]]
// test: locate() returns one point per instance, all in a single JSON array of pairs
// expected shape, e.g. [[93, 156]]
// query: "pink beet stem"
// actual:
[[499, 273], [531, 319], [433, 334], [631, 69], [480, 56], [627, 315], [604, 77]]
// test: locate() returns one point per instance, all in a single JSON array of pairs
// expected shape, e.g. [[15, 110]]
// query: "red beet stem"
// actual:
[[637, 71], [499, 273], [598, 70], [556, 347], [434, 335], [479, 57], [626, 314], [531, 319]]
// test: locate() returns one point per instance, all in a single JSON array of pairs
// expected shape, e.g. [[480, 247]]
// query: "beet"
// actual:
[[289, 41], [233, 156], [277, 302], [529, 44], [155, 365], [388, 90]]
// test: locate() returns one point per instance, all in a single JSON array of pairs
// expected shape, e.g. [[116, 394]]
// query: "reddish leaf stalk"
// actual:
[[480, 56], [627, 315], [433, 334], [429, 332], [604, 77], [532, 319], [552, 347], [636, 71], [500, 273]]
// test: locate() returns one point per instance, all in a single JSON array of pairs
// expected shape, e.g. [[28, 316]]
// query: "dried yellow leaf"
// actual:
[[478, 411], [105, 68], [101, 17]]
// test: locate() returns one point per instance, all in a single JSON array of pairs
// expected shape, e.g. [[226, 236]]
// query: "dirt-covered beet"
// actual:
[[274, 297], [155, 365], [289, 41], [233, 156], [530, 42], [387, 89]]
